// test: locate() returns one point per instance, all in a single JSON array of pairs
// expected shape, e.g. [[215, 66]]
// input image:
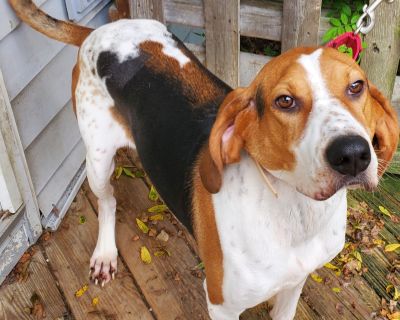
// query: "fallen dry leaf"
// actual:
[[142, 226], [37, 310], [145, 255], [81, 291], [163, 236]]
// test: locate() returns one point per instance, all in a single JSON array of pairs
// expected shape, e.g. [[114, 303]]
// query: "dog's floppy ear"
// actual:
[[386, 133], [226, 138]]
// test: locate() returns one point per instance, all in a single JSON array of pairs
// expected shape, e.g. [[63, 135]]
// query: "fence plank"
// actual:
[[300, 23], [384, 48], [222, 39], [148, 9]]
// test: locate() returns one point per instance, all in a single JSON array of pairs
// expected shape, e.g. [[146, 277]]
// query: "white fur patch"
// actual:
[[270, 244], [124, 37]]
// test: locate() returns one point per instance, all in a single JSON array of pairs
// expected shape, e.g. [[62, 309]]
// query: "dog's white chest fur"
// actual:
[[271, 244]]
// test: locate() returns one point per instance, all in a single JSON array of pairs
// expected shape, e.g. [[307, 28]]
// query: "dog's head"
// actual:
[[312, 119]]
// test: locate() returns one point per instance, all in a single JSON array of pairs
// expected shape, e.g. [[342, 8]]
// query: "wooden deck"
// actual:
[[46, 281]]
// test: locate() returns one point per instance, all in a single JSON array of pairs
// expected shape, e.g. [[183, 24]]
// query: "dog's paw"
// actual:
[[103, 265]]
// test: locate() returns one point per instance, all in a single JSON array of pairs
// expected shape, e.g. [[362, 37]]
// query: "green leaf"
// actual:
[[346, 10], [142, 226], [348, 28], [158, 209], [344, 18], [329, 35], [82, 219], [384, 211], [341, 30], [335, 22], [357, 255], [139, 174], [354, 18], [342, 48], [118, 172], [128, 172], [153, 194]]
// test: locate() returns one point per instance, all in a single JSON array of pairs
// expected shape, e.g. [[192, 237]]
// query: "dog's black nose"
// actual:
[[349, 155]]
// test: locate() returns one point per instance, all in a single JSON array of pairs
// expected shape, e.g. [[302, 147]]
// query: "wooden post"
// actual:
[[382, 55], [222, 39], [147, 9], [119, 10], [300, 24]]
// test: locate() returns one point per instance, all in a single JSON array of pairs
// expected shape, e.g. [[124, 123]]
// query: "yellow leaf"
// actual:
[[82, 219], [316, 277], [159, 253], [145, 255], [95, 301], [158, 209], [153, 194], [157, 217], [394, 316], [118, 172], [142, 226], [378, 242], [330, 266], [338, 272], [357, 255], [392, 247], [384, 211], [336, 289], [396, 295], [81, 291]]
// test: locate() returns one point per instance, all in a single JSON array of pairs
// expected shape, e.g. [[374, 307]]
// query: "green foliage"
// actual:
[[343, 15], [268, 51]]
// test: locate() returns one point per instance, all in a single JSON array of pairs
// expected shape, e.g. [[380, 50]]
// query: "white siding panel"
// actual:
[[43, 97], [50, 148], [55, 188], [8, 19], [24, 52]]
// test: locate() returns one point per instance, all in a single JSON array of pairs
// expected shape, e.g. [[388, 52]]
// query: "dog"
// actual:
[[260, 172]]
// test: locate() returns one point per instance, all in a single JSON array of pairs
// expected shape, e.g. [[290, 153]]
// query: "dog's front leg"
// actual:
[[286, 303], [103, 263]]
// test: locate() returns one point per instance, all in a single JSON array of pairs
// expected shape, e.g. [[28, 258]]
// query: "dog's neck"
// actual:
[[246, 194]]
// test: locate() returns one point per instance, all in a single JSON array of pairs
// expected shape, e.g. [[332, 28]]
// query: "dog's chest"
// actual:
[[271, 243]]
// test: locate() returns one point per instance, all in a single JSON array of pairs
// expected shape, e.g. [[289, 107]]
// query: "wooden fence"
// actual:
[[293, 22]]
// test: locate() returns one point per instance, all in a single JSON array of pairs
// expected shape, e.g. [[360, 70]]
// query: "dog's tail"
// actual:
[[59, 30]]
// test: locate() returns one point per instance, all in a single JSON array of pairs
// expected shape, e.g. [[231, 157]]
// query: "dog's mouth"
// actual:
[[352, 183]]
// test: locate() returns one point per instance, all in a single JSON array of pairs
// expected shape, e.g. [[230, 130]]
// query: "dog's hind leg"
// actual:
[[103, 263], [103, 131]]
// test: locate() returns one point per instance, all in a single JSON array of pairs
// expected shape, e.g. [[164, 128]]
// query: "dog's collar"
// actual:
[[266, 179]]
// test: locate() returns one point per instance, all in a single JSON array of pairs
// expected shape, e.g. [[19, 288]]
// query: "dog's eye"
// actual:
[[285, 102], [356, 87]]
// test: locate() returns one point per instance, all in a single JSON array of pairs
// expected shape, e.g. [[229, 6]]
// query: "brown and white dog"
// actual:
[[310, 119]]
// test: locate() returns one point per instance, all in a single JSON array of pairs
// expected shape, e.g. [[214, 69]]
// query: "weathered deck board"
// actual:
[[15, 298], [167, 283], [69, 252]]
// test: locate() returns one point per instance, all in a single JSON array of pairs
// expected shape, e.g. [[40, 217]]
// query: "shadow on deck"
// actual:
[[52, 277]]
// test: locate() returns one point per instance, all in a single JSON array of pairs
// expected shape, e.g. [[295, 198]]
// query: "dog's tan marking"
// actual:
[[197, 84], [122, 121], [207, 237], [74, 83]]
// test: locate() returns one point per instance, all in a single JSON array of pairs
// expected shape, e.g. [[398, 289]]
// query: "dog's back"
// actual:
[[168, 98]]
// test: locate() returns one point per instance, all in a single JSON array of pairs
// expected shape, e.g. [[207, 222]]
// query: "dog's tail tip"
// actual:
[[59, 30]]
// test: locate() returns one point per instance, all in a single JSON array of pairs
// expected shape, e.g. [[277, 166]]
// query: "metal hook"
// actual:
[[367, 20]]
